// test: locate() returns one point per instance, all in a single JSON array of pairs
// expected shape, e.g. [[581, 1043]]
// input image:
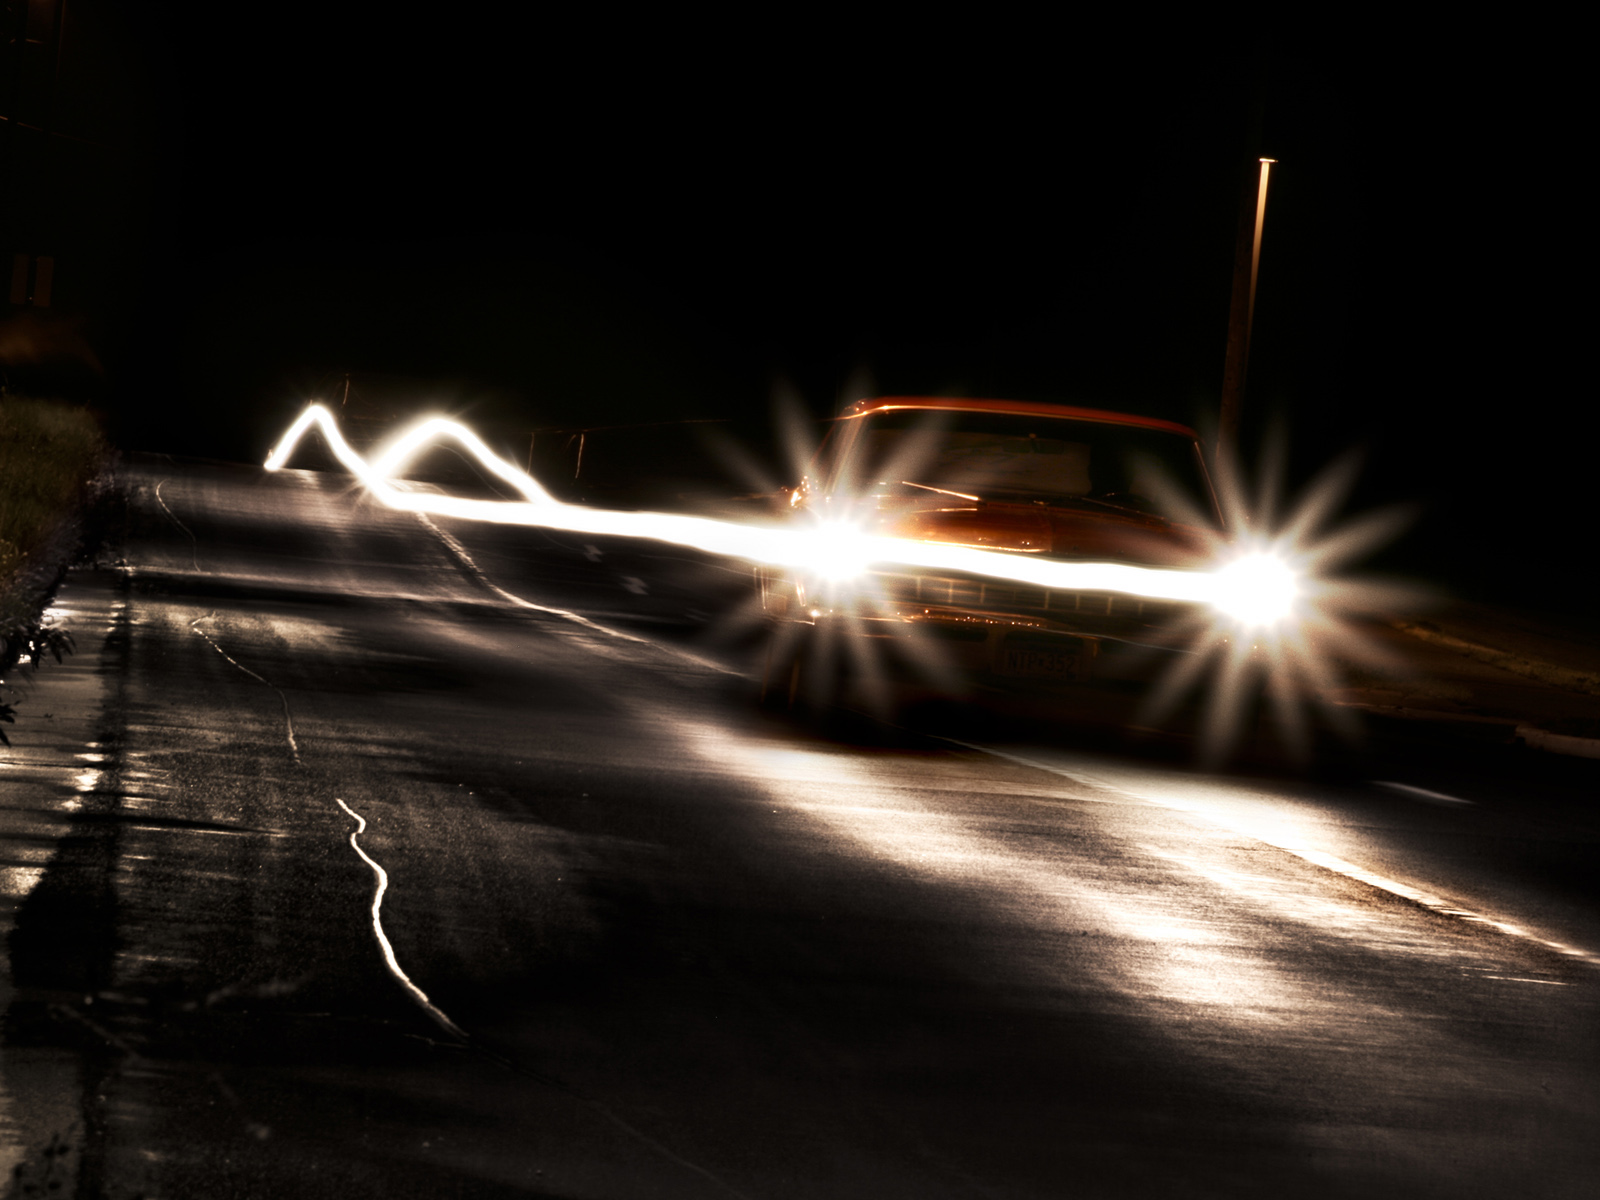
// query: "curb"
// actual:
[[1565, 678], [1558, 743], [1501, 730], [1554, 674]]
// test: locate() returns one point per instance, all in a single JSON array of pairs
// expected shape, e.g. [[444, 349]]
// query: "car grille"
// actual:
[[1084, 609]]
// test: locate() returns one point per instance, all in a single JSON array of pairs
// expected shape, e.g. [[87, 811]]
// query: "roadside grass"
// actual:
[[50, 453]]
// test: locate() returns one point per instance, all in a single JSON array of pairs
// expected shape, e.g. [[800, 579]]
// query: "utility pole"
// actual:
[[1242, 309]]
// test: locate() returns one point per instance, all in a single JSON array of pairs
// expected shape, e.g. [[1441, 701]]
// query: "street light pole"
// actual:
[[1242, 310]]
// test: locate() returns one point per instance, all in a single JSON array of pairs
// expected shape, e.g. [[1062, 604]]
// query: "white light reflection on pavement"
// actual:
[[1167, 950], [1269, 819], [1290, 983], [1431, 797]]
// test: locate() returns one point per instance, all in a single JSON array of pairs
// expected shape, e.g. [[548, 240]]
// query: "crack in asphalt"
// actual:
[[468, 567], [194, 543], [288, 717]]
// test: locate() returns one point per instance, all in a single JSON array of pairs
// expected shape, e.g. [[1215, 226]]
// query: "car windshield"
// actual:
[[951, 457]]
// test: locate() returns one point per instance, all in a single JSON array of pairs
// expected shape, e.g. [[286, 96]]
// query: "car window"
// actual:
[[1004, 457]]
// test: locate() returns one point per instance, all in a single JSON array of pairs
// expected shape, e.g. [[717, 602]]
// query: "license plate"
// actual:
[[1048, 661]]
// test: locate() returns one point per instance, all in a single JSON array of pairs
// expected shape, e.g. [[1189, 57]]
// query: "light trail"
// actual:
[[382, 877], [1268, 614], [820, 547]]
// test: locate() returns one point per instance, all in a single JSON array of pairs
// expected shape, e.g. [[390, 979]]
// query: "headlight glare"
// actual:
[[838, 552], [1258, 589]]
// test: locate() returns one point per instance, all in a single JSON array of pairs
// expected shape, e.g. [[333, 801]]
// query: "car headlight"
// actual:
[[837, 552], [1258, 589]]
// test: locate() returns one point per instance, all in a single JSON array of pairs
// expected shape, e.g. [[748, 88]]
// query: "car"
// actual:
[[1042, 481]]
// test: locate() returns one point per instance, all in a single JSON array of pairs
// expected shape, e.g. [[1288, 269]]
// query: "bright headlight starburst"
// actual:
[[843, 552], [1283, 624], [1258, 589]]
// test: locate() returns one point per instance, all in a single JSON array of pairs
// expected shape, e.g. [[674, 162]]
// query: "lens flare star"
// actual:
[[1282, 622]]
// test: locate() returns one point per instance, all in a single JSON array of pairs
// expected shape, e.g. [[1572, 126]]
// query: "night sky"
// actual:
[[567, 222]]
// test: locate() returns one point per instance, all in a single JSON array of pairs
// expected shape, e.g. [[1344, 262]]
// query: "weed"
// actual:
[[49, 454]]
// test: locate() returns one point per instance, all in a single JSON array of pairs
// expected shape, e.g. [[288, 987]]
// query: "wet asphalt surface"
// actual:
[[638, 938]]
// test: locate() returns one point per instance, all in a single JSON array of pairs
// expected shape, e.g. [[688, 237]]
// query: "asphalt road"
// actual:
[[636, 938]]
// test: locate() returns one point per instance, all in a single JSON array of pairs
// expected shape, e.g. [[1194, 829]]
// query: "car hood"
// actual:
[[1061, 533]]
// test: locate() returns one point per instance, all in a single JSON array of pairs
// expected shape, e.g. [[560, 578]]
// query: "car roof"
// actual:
[[1021, 408]]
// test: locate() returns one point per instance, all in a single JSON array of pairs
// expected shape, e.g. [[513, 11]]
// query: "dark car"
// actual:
[[1040, 480]]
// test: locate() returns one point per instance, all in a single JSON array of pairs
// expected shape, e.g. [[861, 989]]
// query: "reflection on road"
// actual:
[[696, 948]]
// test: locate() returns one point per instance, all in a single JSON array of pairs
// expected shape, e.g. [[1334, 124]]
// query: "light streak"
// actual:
[[1267, 616], [1420, 793], [818, 547], [382, 876], [389, 959]]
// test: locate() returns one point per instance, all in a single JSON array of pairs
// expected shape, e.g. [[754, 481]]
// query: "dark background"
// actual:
[[534, 222]]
